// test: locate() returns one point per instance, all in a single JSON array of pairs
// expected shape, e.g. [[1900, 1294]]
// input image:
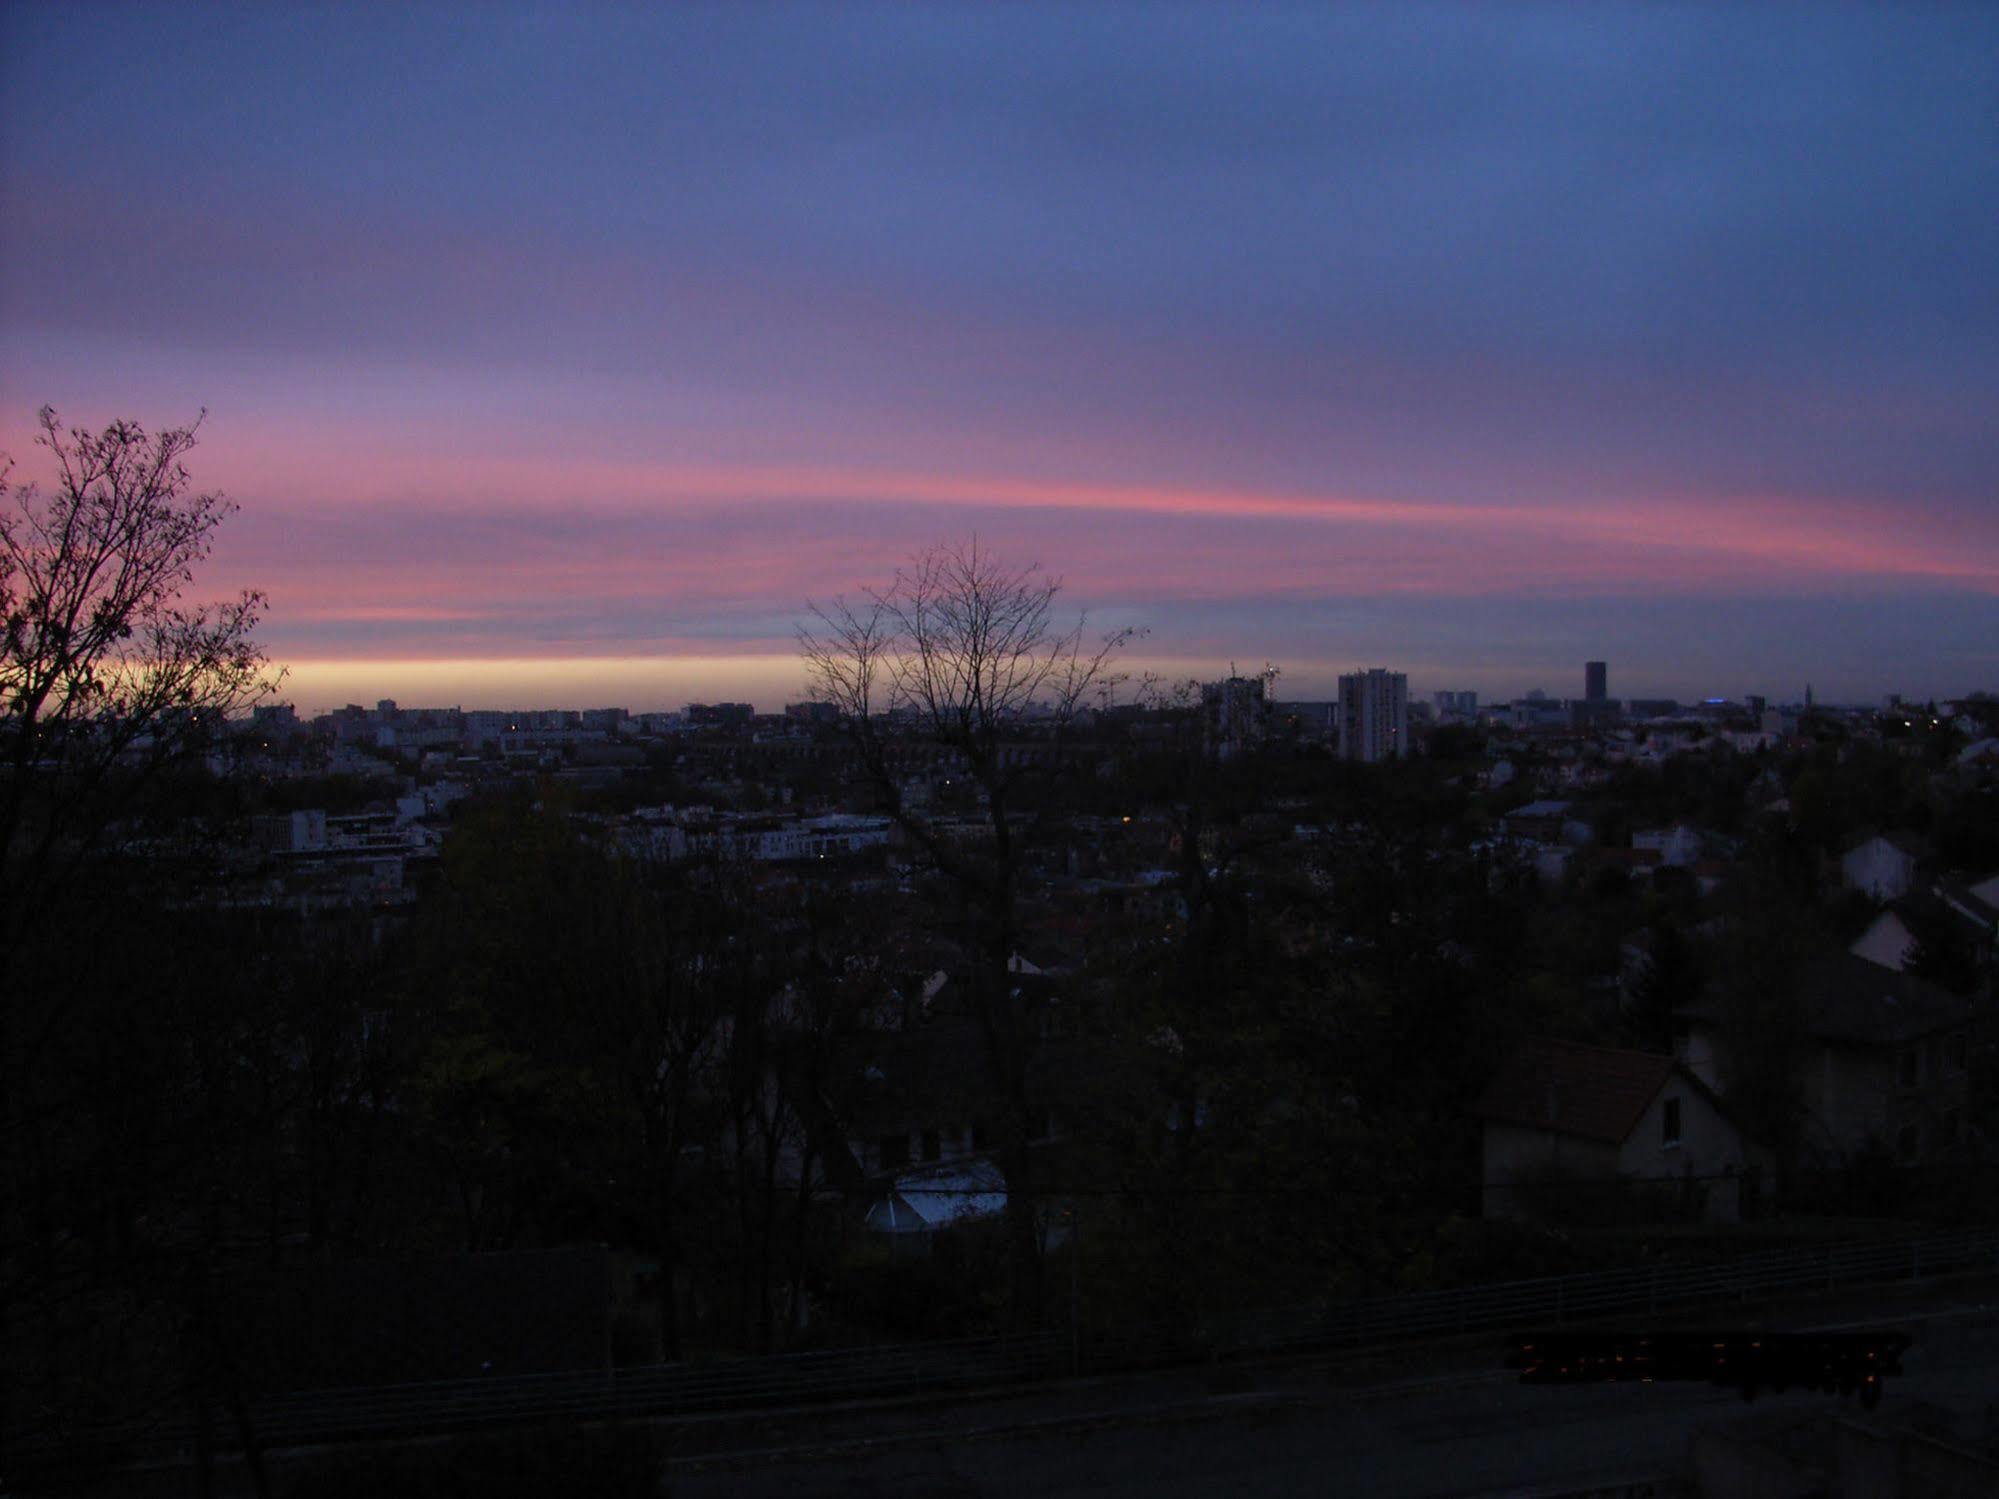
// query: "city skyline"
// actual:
[[567, 359], [501, 677]]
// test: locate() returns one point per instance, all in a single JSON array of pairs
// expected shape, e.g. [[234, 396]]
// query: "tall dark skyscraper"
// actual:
[[1596, 681]]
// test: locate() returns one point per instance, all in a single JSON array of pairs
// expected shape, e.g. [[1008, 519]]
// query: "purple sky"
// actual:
[[559, 354]]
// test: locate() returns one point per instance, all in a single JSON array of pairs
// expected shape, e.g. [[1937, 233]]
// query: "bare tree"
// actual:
[[108, 679], [966, 652], [106, 675]]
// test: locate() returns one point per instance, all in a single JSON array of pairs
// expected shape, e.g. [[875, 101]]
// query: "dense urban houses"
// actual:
[[1287, 987]]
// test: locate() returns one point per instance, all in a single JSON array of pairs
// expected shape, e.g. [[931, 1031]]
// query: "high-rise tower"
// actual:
[[1374, 715]]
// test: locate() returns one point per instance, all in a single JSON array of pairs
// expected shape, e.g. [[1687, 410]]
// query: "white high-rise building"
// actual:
[[1374, 715]]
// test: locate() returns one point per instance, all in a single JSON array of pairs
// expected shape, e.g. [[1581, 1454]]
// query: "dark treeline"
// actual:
[[1260, 1078]]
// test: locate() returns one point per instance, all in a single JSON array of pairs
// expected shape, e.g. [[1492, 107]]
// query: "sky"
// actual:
[[557, 355]]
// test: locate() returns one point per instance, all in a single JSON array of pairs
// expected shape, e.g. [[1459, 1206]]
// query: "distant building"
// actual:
[[1235, 714], [720, 713], [1883, 866], [1543, 821], [290, 832], [1595, 705], [1538, 710], [1456, 704], [484, 726], [812, 712], [1374, 715], [1679, 846], [1308, 720], [1653, 707]]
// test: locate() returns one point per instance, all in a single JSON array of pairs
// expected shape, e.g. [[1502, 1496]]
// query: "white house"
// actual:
[[1565, 1124], [1679, 845], [919, 1204], [1887, 942], [1884, 866]]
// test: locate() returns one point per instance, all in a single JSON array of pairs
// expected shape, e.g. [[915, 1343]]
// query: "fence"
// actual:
[[994, 1362], [1608, 1293]]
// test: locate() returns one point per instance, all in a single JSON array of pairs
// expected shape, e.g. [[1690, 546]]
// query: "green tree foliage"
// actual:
[[1760, 961]]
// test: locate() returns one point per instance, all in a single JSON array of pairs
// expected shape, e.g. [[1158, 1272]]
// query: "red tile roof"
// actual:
[[1591, 1091]]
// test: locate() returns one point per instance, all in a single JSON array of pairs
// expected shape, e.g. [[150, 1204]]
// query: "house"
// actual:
[[1632, 863], [1887, 942], [1678, 845], [1950, 917], [901, 1100], [1979, 752], [1973, 911], [1541, 821], [1563, 1121], [920, 1096], [1883, 1064], [1884, 866], [917, 1205], [1551, 864]]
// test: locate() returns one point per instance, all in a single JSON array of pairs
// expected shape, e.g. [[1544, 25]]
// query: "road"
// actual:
[[1455, 1433]]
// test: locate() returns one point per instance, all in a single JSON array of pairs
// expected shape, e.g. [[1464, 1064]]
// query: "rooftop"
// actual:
[[1593, 1092]]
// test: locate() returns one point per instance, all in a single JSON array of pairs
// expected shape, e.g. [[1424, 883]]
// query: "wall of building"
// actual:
[[1374, 715], [1886, 942], [1710, 1150], [1879, 868]]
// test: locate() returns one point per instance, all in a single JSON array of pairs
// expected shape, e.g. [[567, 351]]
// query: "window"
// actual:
[[1909, 1143], [894, 1151], [1909, 1071], [1672, 1124], [1953, 1053], [932, 1146]]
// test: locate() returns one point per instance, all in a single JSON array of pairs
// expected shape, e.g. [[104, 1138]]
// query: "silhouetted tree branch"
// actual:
[[106, 673], [965, 652]]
